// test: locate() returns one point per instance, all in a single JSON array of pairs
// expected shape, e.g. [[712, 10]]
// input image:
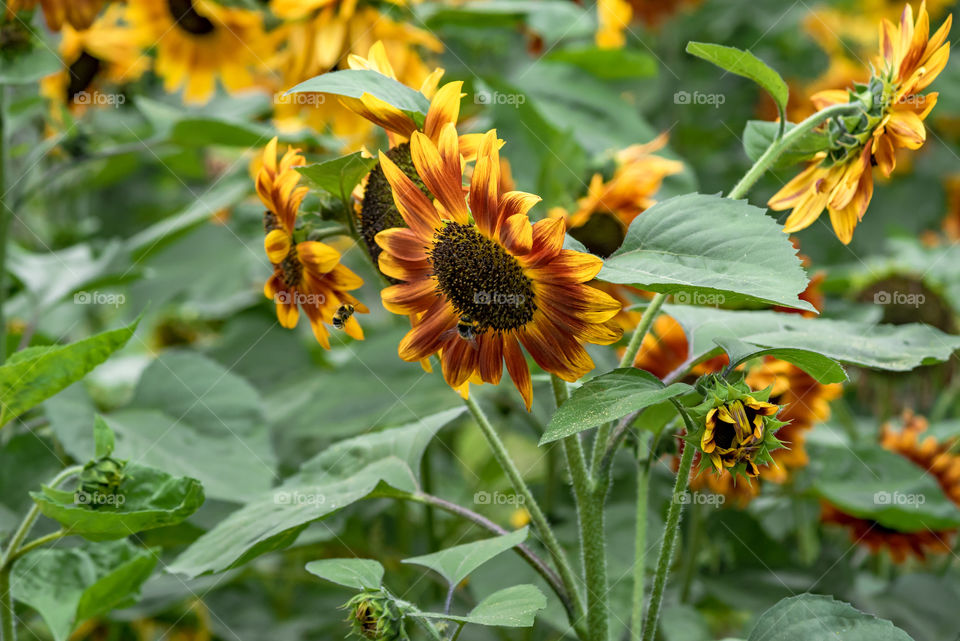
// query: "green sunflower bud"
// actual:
[[374, 615], [99, 480], [737, 427]]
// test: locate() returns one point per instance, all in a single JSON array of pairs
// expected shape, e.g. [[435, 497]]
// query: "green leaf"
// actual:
[[552, 20], [759, 134], [608, 397], [814, 617], [103, 438], [513, 607], [69, 586], [709, 249], [454, 564], [35, 374], [344, 473], [608, 64], [353, 83], [869, 482], [29, 66], [190, 416], [340, 175], [890, 347], [146, 499], [823, 368], [744, 63], [359, 574]]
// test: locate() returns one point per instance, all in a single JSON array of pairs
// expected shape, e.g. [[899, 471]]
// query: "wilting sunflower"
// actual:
[[481, 278], [891, 117], [734, 430], [199, 41], [306, 274], [106, 53], [933, 457]]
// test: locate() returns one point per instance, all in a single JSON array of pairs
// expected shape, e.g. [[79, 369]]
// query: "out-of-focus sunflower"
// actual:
[[317, 37], [306, 274], [198, 42], [78, 14], [614, 17], [934, 457], [106, 53], [665, 348], [951, 221], [893, 109], [481, 278]]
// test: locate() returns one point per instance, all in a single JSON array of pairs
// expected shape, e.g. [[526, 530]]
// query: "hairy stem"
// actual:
[[777, 147], [536, 514], [671, 532], [640, 541]]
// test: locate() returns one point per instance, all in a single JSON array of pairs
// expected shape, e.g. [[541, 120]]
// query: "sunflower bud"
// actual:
[[374, 615], [100, 478], [737, 428]]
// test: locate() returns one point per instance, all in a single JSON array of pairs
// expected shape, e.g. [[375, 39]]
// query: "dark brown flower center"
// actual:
[[187, 18], [292, 268], [724, 434], [378, 211], [481, 279], [82, 72]]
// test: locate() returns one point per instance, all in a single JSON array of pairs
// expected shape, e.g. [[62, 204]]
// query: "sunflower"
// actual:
[[935, 458], [614, 17], [734, 430], [306, 274], [78, 14], [481, 279], [106, 53], [891, 117], [199, 41]]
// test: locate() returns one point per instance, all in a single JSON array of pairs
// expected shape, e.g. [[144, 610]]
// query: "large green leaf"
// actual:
[[341, 475], [69, 586], [758, 135], [872, 483], [744, 63], [823, 368], [454, 564], [712, 249], [147, 498], [29, 66], [353, 83], [338, 176], [35, 374], [608, 397], [191, 416], [889, 347], [513, 607], [813, 617], [609, 64], [551, 19], [359, 574]]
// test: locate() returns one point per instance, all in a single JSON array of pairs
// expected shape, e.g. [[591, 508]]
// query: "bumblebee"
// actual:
[[342, 315]]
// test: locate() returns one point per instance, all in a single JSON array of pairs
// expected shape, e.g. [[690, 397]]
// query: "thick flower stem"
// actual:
[[776, 148], [7, 627], [640, 541], [590, 498], [5, 215], [536, 514], [671, 532], [633, 347]]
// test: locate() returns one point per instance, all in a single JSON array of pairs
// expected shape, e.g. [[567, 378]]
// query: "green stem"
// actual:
[[8, 630], [640, 542], [590, 499], [536, 514], [776, 148], [38, 542], [694, 531], [5, 215], [670, 534], [633, 347]]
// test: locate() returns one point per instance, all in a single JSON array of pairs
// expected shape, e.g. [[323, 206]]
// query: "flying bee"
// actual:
[[466, 329], [342, 315]]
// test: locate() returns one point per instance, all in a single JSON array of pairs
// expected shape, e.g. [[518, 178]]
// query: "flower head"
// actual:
[[890, 116], [479, 279], [374, 615], [306, 274]]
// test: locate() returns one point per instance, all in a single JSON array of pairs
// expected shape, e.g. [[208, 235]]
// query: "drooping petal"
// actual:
[[518, 370]]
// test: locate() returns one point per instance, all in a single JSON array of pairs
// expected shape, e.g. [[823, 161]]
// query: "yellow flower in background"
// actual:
[[481, 279], [841, 180], [106, 53], [614, 17], [198, 42], [306, 274]]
